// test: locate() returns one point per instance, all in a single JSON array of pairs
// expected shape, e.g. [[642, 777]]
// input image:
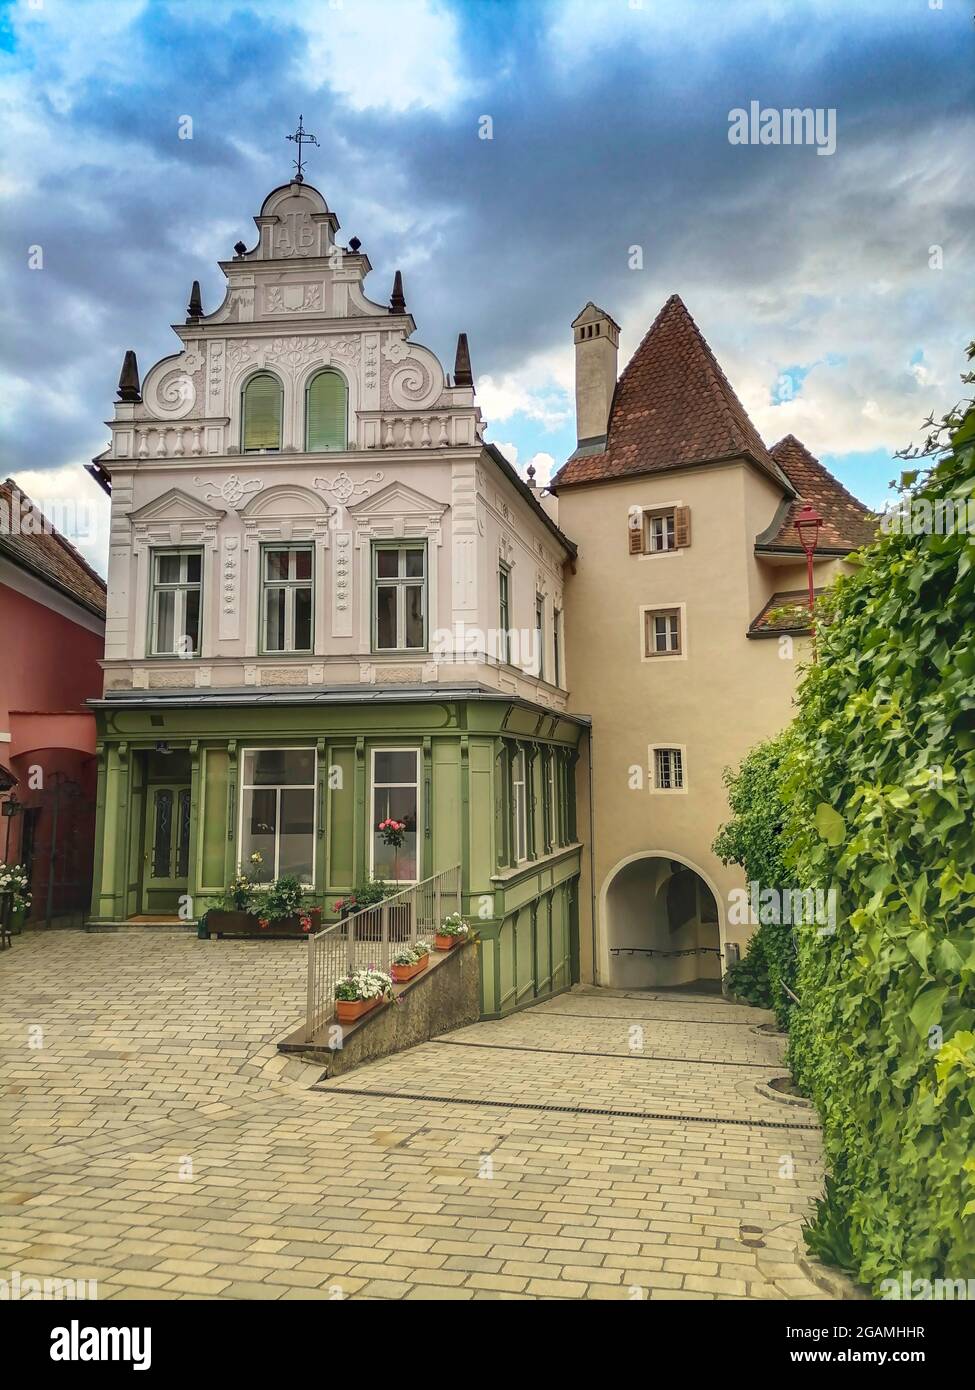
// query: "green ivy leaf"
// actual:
[[830, 824]]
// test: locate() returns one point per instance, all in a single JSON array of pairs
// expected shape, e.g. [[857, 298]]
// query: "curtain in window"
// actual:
[[326, 408]]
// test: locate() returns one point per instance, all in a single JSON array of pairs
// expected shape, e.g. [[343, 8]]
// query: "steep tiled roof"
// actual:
[[787, 611], [47, 554], [673, 406], [847, 523]]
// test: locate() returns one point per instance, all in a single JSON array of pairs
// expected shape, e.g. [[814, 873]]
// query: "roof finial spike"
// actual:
[[463, 376], [301, 137], [128, 382], [194, 309], [397, 300], [531, 475]]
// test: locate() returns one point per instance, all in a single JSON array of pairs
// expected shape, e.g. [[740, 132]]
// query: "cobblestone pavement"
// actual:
[[601, 1145]]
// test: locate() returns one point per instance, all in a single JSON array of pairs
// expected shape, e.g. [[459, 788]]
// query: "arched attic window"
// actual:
[[326, 412], [261, 414]]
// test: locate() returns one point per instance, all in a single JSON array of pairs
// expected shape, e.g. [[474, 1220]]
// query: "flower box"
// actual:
[[223, 923], [447, 943], [400, 973], [351, 1010]]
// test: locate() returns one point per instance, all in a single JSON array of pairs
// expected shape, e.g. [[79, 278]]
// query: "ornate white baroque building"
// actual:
[[313, 558]]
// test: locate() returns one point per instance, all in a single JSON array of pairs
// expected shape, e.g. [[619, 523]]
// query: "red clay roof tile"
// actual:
[[847, 523], [673, 406]]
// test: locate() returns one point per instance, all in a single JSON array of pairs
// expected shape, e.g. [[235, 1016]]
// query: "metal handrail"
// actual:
[[369, 938]]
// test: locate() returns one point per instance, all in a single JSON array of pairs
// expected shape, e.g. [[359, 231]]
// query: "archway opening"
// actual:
[[662, 927]]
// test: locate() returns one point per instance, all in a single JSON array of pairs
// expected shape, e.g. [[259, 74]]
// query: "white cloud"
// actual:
[[76, 506], [383, 53]]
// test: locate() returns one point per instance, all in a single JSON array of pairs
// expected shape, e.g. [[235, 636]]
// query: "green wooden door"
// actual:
[[166, 856]]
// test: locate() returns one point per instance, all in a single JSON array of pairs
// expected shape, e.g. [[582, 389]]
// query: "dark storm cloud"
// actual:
[[593, 152]]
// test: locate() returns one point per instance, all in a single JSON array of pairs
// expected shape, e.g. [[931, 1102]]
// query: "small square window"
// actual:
[[662, 632], [668, 769]]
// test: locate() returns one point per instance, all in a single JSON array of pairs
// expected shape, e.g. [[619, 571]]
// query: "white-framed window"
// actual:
[[663, 632], [504, 614], [286, 605], [176, 603], [277, 813], [557, 639], [395, 793], [540, 635], [519, 806], [667, 768], [658, 530], [399, 596], [261, 411]]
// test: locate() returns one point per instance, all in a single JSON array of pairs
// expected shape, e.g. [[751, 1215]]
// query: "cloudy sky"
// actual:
[[836, 289]]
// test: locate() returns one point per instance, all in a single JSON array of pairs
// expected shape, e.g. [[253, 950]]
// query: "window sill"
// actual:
[[528, 866]]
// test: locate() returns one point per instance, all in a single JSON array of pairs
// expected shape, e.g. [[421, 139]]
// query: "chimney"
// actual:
[[597, 340]]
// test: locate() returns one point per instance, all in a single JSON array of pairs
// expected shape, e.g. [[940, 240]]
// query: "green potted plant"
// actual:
[[360, 992], [258, 909], [410, 961], [370, 893], [14, 880], [451, 932]]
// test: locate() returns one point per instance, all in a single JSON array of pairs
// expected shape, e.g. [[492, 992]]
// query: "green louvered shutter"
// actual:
[[327, 409], [262, 413]]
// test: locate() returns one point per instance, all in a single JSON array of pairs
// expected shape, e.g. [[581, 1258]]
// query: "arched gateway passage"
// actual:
[[662, 926]]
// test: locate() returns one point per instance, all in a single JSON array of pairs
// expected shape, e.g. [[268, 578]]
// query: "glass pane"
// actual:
[[167, 568], [183, 834], [279, 767], [414, 564], [191, 623], [277, 562], [258, 832], [297, 839], [194, 563], [303, 620], [162, 839], [166, 621], [386, 616], [394, 767], [397, 803], [414, 615], [387, 564], [274, 606], [301, 560]]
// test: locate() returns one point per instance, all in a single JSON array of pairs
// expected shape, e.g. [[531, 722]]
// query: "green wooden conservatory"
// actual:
[[191, 785]]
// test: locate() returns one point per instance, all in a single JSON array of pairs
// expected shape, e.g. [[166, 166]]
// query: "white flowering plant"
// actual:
[[454, 925], [409, 955], [364, 984], [14, 880]]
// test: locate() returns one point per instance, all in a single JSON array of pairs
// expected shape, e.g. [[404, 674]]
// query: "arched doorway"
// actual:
[[661, 925]]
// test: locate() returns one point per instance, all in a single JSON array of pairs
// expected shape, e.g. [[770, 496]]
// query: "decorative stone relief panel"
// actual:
[[342, 584], [344, 489], [233, 491], [230, 589]]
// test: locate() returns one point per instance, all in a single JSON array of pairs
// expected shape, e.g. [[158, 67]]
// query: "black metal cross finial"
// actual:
[[301, 137]]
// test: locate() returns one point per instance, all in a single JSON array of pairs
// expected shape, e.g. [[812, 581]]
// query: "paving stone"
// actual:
[[159, 1142]]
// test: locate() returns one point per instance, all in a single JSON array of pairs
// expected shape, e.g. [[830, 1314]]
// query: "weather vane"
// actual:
[[301, 137]]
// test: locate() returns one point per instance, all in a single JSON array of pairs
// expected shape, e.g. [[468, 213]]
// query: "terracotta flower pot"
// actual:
[[406, 972], [446, 943], [349, 1010]]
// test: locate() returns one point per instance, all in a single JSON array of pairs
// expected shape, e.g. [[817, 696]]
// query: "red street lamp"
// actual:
[[807, 524]]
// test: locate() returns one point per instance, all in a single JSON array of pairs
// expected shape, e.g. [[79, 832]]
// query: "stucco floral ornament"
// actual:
[[233, 490]]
